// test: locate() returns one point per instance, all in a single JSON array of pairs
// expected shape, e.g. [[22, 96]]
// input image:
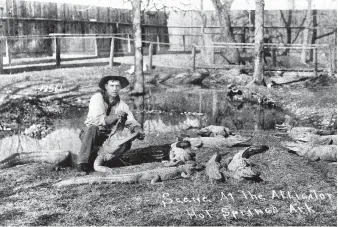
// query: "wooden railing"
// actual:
[[193, 49]]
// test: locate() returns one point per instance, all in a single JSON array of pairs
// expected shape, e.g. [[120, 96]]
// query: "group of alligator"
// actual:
[[309, 142]]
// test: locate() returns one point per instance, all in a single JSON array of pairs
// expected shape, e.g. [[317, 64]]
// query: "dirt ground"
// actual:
[[309, 189]]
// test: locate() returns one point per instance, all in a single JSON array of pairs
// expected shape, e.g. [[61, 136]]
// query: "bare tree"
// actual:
[[287, 22], [314, 32], [138, 88], [259, 42], [306, 32], [223, 14]]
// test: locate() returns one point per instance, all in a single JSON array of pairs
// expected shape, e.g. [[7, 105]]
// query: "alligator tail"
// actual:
[[121, 178], [53, 157]]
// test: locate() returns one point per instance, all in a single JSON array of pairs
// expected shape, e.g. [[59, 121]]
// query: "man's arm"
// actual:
[[131, 123], [97, 112]]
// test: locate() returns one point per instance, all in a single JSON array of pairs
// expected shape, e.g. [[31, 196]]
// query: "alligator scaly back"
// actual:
[[150, 175]]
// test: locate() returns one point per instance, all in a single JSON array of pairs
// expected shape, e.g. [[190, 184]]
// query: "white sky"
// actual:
[[207, 5]]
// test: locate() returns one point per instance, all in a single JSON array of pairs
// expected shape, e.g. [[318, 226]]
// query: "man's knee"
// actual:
[[90, 132]]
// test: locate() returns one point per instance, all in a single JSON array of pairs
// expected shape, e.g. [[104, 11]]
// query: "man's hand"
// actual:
[[113, 118], [139, 130], [122, 116]]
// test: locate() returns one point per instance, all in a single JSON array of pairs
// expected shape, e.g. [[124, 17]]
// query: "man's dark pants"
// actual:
[[91, 137]]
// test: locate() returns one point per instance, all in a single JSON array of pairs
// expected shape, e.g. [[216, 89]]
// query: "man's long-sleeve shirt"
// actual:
[[98, 111]]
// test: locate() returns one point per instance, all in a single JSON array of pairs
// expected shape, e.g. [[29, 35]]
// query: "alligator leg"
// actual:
[[156, 179], [186, 174]]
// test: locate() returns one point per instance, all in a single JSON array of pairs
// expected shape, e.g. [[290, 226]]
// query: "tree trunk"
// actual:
[[314, 32], [207, 52], [259, 42], [306, 32], [287, 23], [223, 14], [138, 57]]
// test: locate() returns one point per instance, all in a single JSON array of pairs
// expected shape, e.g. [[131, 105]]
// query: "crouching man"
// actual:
[[105, 109]]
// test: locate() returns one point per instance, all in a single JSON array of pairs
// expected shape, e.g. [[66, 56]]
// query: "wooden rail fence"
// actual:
[[193, 49]]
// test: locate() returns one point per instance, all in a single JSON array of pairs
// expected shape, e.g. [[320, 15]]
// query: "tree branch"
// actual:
[[324, 35]]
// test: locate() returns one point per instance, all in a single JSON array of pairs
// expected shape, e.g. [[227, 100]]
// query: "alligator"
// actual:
[[180, 153], [152, 175], [57, 157], [312, 143], [312, 151], [113, 147], [238, 166]]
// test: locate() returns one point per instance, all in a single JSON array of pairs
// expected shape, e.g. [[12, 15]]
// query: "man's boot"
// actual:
[[83, 169]]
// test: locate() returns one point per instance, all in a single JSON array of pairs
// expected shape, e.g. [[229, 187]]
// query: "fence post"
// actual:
[[333, 58], [1, 58], [8, 53], [330, 66], [274, 57], [111, 55], [57, 51], [158, 42], [150, 56], [97, 50], [315, 61], [200, 102], [193, 53], [213, 54], [183, 42], [243, 36], [129, 44], [214, 105]]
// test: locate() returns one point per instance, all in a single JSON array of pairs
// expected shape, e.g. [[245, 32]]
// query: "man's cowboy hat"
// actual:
[[104, 80]]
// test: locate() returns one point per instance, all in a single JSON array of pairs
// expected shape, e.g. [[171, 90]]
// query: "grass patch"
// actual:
[[36, 203]]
